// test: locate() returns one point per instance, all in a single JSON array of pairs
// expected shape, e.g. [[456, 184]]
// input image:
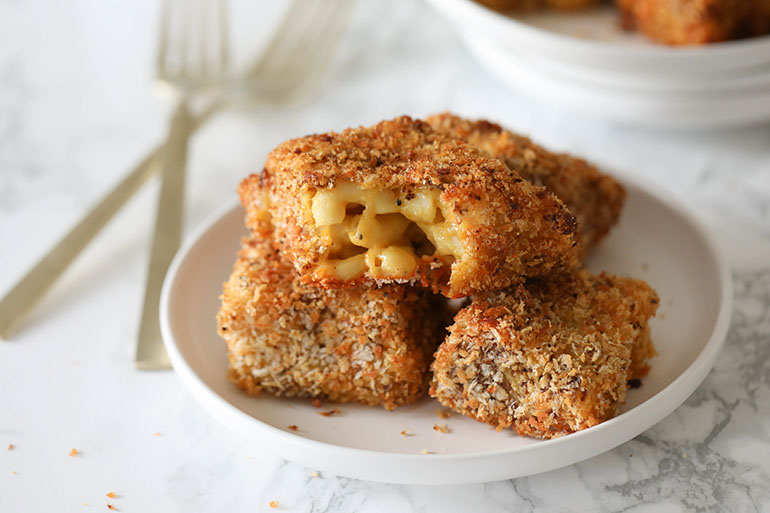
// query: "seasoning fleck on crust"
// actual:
[[693, 22], [594, 198], [547, 358], [371, 346], [399, 202]]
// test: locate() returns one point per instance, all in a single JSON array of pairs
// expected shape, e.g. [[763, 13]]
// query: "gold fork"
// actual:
[[291, 66], [192, 59], [324, 23]]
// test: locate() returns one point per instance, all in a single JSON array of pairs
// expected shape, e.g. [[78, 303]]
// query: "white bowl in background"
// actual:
[[592, 39], [653, 108]]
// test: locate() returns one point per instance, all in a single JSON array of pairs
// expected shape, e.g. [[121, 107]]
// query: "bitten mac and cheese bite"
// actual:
[[400, 202]]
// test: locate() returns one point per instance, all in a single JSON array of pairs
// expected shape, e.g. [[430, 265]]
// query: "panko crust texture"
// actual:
[[594, 198], [547, 358], [371, 346], [509, 228], [694, 22]]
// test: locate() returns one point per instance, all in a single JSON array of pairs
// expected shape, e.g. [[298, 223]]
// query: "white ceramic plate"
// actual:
[[592, 39], [654, 108], [655, 240]]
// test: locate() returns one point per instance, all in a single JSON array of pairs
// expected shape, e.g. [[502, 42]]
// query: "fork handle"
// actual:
[[150, 353], [36, 282], [28, 291]]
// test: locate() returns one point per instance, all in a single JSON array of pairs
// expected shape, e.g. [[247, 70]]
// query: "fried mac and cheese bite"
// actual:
[[549, 357], [594, 198], [695, 22], [371, 346], [400, 202]]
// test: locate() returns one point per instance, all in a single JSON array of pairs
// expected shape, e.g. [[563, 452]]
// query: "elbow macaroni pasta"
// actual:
[[386, 232]]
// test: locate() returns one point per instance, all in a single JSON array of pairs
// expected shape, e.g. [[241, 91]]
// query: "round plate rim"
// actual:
[[672, 396]]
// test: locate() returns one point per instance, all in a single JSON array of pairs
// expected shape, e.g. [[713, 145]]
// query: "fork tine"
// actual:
[[325, 31], [296, 71], [290, 28], [186, 52], [187, 42], [160, 57], [311, 70], [193, 47], [224, 33], [324, 49], [301, 50], [203, 35], [296, 60]]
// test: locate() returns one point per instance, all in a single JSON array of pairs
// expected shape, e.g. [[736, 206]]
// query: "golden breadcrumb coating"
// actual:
[[594, 198], [693, 22], [547, 358], [371, 346], [530, 5], [493, 227]]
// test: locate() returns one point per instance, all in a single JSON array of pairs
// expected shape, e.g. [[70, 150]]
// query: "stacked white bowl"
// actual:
[[585, 61]]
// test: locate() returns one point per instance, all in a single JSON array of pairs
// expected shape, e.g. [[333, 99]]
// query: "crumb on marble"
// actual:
[[443, 414], [74, 452], [111, 495], [441, 428], [404, 432], [273, 504], [11, 447], [329, 413], [293, 427], [111, 507]]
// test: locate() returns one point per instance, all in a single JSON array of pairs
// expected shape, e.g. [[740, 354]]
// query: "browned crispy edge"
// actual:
[[572, 345]]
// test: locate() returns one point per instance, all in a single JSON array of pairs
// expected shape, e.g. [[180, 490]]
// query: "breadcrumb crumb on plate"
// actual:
[[365, 442]]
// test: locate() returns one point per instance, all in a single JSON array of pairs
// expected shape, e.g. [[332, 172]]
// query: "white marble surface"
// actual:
[[76, 110]]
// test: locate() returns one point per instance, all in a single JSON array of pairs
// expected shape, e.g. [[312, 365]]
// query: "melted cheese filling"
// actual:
[[385, 232]]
